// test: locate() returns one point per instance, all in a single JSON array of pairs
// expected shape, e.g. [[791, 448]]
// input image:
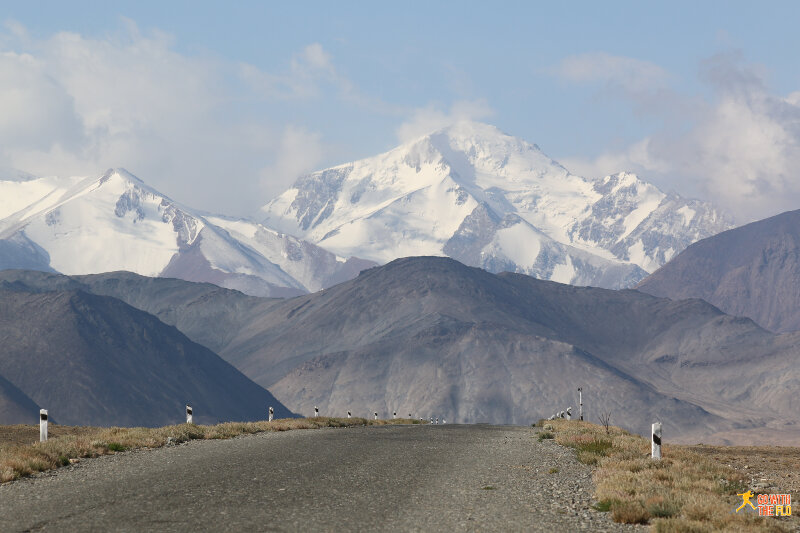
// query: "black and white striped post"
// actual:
[[316, 411], [189, 417], [394, 415], [376, 415], [271, 414], [349, 414], [580, 403], [656, 447], [42, 425], [437, 419]]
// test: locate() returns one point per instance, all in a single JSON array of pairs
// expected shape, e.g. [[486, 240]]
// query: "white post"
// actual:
[[656, 448], [189, 414], [437, 419], [444, 421], [394, 415], [376, 415], [271, 413], [580, 402], [316, 411], [42, 425], [349, 414], [569, 413]]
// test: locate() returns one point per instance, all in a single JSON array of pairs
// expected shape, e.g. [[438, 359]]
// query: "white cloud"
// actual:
[[184, 123], [309, 72], [432, 118], [300, 152], [634, 158], [740, 148], [632, 75]]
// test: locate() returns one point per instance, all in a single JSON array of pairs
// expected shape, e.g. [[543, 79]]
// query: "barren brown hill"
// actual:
[[95, 360], [750, 271]]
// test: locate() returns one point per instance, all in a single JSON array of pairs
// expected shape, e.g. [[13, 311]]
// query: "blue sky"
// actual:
[[222, 106]]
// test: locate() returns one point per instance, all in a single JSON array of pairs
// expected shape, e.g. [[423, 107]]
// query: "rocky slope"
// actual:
[[749, 271], [94, 360], [433, 337]]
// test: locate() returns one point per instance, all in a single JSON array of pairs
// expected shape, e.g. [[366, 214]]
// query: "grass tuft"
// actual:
[[684, 491]]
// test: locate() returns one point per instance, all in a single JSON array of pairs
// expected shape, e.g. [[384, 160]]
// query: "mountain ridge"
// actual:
[[120, 223], [418, 199]]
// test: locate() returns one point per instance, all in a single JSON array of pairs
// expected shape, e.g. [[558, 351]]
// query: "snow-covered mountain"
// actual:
[[116, 222], [491, 200]]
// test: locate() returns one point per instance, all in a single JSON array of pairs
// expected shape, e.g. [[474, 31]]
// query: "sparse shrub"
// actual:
[[553, 470], [545, 435], [661, 507], [629, 512], [114, 447]]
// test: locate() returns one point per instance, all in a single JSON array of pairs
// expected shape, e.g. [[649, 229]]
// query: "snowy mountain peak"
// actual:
[[117, 222], [492, 200]]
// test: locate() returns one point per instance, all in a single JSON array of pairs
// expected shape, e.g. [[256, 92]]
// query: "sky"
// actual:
[[223, 105]]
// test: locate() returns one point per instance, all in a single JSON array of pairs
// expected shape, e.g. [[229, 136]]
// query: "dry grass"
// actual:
[[685, 491], [18, 460]]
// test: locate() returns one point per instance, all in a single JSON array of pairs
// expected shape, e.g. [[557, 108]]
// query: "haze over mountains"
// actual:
[[430, 336], [749, 271], [487, 199]]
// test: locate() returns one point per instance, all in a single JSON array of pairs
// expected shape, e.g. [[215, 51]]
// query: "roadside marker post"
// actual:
[[569, 413], [656, 448], [394, 415], [580, 402], [271, 413], [189, 417], [376, 415], [349, 415], [437, 419], [316, 411], [42, 425]]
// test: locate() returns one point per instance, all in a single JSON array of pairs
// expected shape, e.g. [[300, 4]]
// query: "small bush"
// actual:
[[114, 447], [629, 512], [545, 435], [553, 470]]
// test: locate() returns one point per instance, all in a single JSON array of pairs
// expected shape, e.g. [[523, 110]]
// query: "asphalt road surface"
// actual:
[[385, 478]]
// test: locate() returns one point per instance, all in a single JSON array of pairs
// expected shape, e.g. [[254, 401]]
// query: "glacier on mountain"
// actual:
[[494, 201], [117, 222]]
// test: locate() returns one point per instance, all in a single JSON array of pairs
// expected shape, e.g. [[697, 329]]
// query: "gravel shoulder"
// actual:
[[389, 478]]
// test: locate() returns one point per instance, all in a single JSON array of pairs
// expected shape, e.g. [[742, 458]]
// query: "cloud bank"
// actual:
[[192, 126], [740, 147]]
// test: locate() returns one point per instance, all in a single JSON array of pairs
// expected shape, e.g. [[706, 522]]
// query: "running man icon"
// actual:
[[746, 500]]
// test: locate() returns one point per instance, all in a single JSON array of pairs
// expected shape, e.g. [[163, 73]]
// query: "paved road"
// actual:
[[388, 478]]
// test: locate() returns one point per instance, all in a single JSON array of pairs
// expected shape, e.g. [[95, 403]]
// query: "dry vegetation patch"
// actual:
[[18, 460], [685, 491]]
